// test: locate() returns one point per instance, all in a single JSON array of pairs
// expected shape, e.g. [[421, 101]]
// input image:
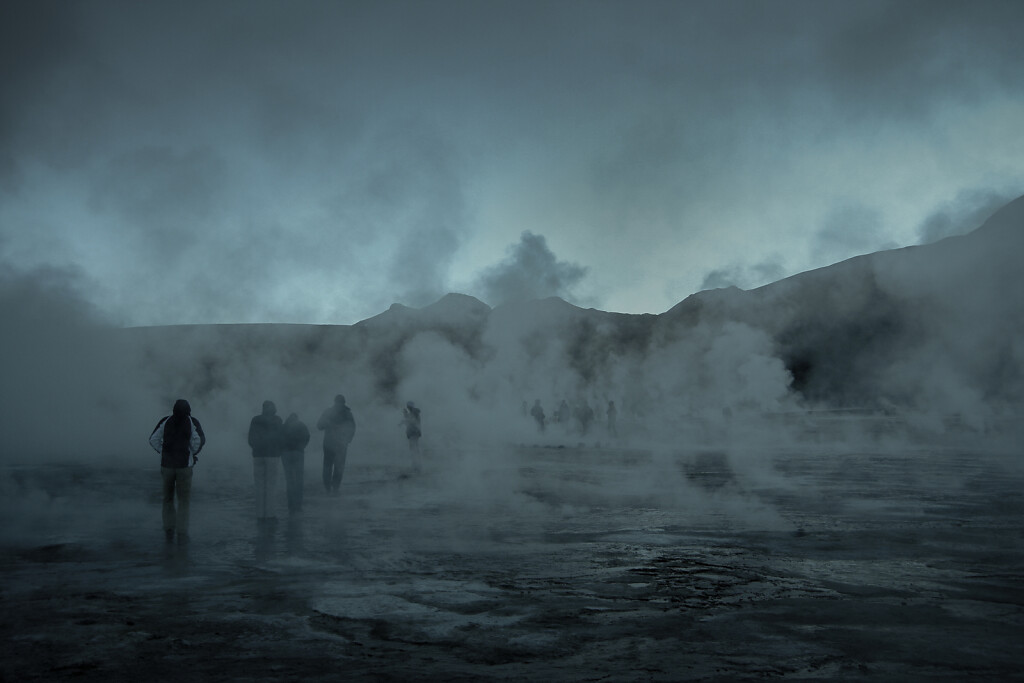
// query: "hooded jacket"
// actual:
[[265, 433], [177, 436], [295, 435]]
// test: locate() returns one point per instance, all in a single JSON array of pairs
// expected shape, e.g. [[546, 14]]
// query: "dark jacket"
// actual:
[[338, 425], [265, 433], [295, 436], [412, 422], [178, 436]]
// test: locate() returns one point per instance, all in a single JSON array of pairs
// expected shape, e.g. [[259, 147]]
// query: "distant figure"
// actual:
[[562, 413], [537, 412], [584, 416], [177, 438], [338, 426], [293, 457], [413, 432], [613, 415], [265, 431]]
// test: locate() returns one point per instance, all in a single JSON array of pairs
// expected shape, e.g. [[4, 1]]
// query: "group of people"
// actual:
[[583, 416], [271, 440], [179, 438]]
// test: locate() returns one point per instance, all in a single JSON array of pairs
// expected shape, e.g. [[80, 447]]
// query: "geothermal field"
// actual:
[[824, 557], [714, 311], [821, 478]]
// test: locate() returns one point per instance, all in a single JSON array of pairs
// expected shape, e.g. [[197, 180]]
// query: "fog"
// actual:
[[908, 342], [803, 456]]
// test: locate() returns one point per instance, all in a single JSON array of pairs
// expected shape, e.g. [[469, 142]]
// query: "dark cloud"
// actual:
[[170, 195], [335, 147], [531, 271]]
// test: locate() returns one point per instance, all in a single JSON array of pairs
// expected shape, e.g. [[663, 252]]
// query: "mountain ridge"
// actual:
[[885, 328]]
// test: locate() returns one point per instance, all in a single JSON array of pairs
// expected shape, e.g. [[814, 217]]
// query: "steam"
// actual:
[[530, 271], [67, 388], [964, 213], [916, 344], [744, 276]]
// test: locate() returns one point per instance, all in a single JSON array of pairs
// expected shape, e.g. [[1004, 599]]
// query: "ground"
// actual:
[[533, 564]]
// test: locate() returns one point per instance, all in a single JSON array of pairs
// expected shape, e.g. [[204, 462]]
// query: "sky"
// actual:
[[315, 162]]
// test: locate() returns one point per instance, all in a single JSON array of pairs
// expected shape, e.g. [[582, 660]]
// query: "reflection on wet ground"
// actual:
[[540, 564]]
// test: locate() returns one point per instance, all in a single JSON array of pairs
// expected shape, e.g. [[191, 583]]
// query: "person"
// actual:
[[613, 415], [413, 431], [584, 414], [537, 412], [265, 440], [339, 426], [293, 457], [178, 438], [562, 413]]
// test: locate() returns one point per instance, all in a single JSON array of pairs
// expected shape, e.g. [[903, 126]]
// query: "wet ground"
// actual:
[[538, 564]]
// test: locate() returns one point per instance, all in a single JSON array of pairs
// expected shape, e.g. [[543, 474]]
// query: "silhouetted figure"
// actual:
[[562, 413], [293, 459], [265, 432], [613, 416], [584, 416], [413, 432], [178, 438], [537, 412], [338, 426]]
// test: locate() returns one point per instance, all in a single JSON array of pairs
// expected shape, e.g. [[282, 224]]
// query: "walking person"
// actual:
[[413, 432], [178, 438], [537, 412], [339, 426], [293, 457], [265, 441]]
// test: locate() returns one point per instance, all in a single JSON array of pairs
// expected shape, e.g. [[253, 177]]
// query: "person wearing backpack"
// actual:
[[178, 438]]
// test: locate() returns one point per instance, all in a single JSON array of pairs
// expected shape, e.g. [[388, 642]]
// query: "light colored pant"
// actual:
[[293, 463], [177, 480], [264, 471]]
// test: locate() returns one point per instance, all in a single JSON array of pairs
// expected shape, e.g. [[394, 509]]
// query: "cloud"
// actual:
[[850, 230], [963, 214], [331, 155], [744, 276], [531, 271]]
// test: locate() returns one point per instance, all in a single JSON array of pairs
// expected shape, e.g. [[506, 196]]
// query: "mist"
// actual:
[[800, 447], [925, 330]]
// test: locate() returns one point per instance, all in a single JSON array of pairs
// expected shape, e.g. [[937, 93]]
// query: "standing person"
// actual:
[[413, 431], [178, 438], [613, 415], [537, 412], [293, 457], [338, 426], [584, 414], [265, 441]]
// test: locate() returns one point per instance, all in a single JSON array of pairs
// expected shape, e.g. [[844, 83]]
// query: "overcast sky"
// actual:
[[201, 162]]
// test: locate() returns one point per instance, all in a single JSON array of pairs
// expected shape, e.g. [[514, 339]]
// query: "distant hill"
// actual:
[[934, 326]]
